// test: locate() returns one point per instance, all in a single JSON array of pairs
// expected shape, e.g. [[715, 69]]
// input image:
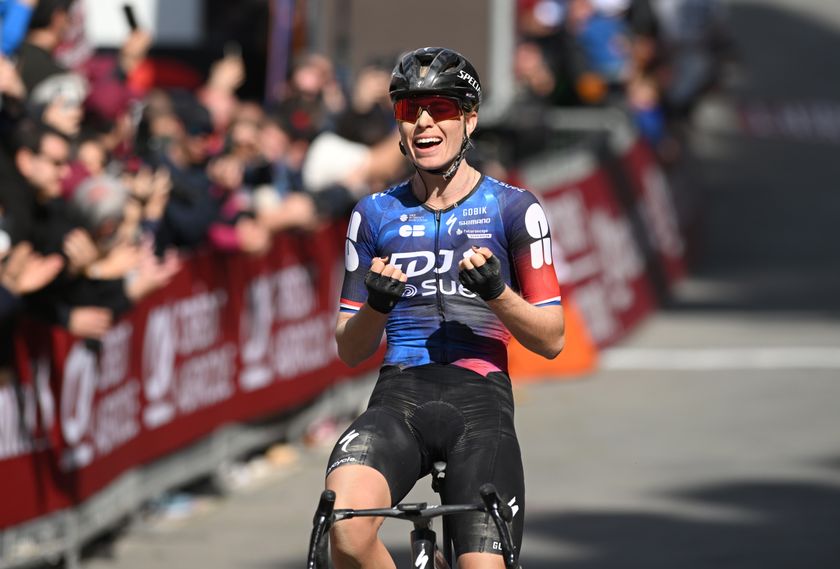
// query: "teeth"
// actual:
[[427, 140]]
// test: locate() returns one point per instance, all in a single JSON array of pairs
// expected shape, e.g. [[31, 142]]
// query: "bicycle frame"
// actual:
[[420, 514]]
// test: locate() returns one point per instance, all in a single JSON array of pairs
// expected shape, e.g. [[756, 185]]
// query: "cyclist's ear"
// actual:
[[471, 118]]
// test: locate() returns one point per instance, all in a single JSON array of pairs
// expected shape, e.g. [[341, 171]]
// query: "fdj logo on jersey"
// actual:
[[418, 263]]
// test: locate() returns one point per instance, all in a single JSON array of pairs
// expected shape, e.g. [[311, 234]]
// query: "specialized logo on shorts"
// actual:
[[513, 507], [422, 559], [348, 438], [536, 224]]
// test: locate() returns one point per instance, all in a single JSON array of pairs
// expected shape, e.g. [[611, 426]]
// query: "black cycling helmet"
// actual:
[[436, 71]]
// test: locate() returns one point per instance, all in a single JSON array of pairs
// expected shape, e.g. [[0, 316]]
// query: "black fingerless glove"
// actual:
[[486, 281], [383, 292]]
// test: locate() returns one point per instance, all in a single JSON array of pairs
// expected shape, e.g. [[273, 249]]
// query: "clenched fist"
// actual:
[[385, 285]]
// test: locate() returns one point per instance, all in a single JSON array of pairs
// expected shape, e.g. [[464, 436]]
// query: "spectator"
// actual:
[[218, 95], [285, 203], [644, 103], [14, 16], [185, 153], [42, 218], [46, 28], [235, 229], [604, 44], [369, 118], [41, 161], [22, 271], [693, 35], [314, 97], [100, 204]]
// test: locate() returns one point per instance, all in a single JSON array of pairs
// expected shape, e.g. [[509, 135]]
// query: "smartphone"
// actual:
[[130, 18]]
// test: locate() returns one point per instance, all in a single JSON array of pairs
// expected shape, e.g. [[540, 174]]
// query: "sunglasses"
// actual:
[[439, 108]]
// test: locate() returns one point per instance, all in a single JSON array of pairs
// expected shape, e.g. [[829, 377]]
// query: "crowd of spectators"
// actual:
[[112, 169], [110, 175], [654, 58]]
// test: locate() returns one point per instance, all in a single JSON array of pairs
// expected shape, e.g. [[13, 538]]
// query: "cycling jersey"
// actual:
[[438, 320]]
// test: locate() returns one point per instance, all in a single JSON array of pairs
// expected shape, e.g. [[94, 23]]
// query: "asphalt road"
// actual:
[[709, 438]]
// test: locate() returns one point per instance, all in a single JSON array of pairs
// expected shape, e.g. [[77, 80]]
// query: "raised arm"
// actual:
[[359, 335], [538, 328]]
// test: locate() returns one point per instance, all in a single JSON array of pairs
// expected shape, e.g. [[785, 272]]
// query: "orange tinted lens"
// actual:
[[440, 108]]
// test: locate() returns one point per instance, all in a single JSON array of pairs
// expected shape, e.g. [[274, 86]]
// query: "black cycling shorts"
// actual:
[[419, 415]]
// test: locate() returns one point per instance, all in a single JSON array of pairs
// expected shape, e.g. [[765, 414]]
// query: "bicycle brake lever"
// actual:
[[501, 513], [321, 523]]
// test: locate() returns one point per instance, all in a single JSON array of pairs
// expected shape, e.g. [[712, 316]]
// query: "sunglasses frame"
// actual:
[[429, 100]]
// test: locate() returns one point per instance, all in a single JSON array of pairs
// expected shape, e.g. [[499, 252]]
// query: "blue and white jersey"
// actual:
[[438, 320]]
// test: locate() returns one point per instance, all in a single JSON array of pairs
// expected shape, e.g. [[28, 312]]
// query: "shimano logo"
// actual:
[[469, 79]]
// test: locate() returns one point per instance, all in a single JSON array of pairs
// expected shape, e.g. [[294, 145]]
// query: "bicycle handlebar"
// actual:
[[326, 516]]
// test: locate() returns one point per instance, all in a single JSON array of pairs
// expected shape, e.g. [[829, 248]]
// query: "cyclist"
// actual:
[[448, 264]]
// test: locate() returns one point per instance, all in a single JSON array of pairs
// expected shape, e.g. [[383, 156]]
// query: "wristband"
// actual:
[[485, 281], [383, 292]]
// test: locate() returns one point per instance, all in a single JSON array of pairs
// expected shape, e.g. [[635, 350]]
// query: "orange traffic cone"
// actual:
[[579, 356]]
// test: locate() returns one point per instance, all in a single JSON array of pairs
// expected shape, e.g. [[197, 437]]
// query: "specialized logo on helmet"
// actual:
[[469, 79]]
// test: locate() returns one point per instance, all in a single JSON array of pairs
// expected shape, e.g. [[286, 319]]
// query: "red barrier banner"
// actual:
[[232, 338], [656, 207], [597, 259]]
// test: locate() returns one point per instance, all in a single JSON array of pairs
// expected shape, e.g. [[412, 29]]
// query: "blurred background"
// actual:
[[175, 179]]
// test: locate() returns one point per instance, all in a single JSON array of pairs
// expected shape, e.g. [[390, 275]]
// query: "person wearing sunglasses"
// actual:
[[449, 264]]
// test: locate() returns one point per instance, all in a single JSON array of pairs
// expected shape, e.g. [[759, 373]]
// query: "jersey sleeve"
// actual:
[[359, 251], [529, 245]]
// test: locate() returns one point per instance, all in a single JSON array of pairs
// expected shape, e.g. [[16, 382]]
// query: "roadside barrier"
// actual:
[[231, 340]]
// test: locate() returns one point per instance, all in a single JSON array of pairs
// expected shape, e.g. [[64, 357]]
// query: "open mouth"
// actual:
[[427, 142]]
